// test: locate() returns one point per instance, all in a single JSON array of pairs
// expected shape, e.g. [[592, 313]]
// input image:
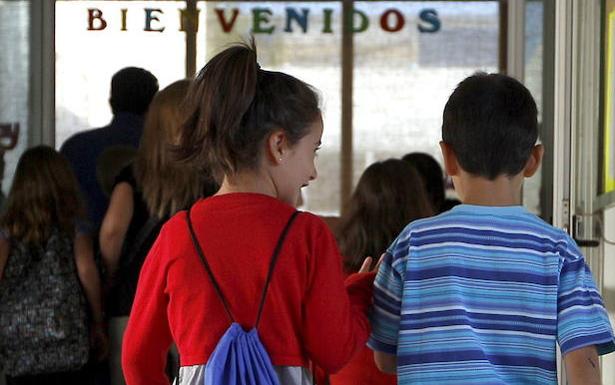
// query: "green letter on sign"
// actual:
[[259, 16], [364, 20]]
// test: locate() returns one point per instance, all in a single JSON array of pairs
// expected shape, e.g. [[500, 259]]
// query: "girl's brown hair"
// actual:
[[389, 195], [44, 195], [166, 185], [234, 105]]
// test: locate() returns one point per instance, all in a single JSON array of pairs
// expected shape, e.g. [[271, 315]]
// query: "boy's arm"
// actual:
[[582, 320], [387, 363], [582, 366], [386, 314]]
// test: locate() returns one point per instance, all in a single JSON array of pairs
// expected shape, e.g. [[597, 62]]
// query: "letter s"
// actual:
[[430, 22]]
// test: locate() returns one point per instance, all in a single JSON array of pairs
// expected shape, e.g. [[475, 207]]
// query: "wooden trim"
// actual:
[[503, 38], [515, 44], [347, 98], [41, 116], [192, 19]]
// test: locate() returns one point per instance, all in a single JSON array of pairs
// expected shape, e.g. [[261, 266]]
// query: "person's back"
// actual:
[[238, 233], [482, 293], [46, 268], [491, 289], [132, 89], [388, 195]]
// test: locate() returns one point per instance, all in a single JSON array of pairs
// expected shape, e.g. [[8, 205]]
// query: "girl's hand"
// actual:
[[367, 263]]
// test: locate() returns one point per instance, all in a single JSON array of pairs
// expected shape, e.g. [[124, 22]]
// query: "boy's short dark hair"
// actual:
[[490, 121], [132, 90]]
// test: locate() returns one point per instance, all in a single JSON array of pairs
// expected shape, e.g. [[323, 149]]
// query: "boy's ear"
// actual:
[[450, 159], [276, 146], [533, 163]]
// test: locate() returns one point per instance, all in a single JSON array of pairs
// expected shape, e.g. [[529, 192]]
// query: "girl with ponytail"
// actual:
[[258, 132]]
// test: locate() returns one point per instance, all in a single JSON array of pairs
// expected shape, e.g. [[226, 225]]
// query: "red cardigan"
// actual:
[[309, 314], [361, 370]]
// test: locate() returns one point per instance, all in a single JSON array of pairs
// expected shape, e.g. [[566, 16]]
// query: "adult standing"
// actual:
[[132, 90]]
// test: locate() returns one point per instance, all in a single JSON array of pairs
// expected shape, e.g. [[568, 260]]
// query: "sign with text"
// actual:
[[264, 20]]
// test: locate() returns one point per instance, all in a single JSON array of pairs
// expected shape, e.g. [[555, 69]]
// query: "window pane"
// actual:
[[409, 58], [93, 42], [14, 82], [312, 55], [534, 11]]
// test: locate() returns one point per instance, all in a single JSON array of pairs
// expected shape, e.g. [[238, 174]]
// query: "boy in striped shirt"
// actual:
[[481, 294]]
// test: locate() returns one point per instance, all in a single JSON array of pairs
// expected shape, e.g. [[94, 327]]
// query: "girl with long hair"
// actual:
[[389, 195], [146, 193], [47, 275], [259, 132]]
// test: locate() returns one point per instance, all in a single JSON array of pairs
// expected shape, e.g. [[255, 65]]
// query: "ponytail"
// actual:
[[233, 105]]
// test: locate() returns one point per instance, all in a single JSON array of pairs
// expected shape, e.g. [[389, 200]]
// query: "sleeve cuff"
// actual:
[[604, 343]]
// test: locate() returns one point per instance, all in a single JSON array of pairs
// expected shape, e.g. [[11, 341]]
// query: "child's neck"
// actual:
[[502, 191], [247, 182]]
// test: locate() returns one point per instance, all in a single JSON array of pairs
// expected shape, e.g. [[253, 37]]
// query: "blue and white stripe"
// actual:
[[480, 295]]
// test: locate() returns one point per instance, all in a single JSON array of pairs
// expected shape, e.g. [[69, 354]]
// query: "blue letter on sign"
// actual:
[[430, 17]]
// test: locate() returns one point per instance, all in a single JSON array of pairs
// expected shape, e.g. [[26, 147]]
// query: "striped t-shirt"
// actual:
[[480, 295]]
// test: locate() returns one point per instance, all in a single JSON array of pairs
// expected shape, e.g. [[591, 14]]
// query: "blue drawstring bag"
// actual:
[[240, 357]]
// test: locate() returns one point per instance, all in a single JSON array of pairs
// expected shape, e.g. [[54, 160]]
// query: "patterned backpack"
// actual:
[[43, 325], [240, 357]]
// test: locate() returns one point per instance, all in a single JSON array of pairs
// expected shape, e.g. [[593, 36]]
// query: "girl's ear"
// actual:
[[450, 159], [277, 145]]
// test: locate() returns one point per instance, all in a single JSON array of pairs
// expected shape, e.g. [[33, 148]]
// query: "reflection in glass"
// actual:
[[402, 79], [302, 39], [14, 82], [533, 78], [95, 39]]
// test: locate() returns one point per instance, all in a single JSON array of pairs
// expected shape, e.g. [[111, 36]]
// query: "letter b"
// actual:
[[96, 14]]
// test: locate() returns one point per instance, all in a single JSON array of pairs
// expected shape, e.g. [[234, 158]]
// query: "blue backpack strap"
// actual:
[[274, 258], [272, 264], [199, 251]]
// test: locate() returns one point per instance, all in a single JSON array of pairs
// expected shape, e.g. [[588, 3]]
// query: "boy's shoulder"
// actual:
[[496, 216], [515, 221]]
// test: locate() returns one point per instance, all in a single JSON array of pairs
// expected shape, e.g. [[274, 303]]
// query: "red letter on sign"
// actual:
[[96, 14], [384, 21], [227, 26]]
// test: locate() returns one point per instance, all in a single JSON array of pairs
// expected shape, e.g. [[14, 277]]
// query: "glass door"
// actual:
[[14, 83], [580, 147], [604, 202], [591, 159]]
